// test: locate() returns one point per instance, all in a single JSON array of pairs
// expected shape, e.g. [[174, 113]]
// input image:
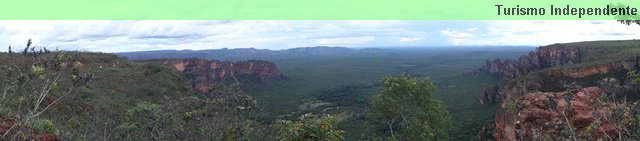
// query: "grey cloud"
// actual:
[[73, 39]]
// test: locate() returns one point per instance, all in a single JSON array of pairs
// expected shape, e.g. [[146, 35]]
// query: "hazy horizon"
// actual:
[[129, 36]]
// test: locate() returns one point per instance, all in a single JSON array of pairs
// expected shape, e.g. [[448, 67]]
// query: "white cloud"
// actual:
[[471, 29], [345, 40], [542, 32], [456, 37], [455, 34], [410, 39], [118, 36]]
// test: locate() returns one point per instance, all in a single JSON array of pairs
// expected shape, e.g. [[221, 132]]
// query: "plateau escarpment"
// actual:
[[202, 73], [530, 82], [544, 57], [558, 63]]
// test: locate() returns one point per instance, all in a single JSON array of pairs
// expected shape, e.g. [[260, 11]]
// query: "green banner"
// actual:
[[318, 9]]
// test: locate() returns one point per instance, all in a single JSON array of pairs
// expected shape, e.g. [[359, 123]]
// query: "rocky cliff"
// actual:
[[562, 61], [201, 73], [490, 95], [530, 81], [543, 57]]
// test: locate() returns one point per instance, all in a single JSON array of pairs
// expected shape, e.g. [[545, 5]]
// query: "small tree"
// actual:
[[310, 127], [405, 106], [634, 124], [633, 77]]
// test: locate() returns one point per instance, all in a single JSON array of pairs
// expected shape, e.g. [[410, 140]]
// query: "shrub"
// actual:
[[310, 127], [45, 125]]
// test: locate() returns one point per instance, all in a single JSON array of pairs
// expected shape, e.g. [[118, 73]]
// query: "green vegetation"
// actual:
[[310, 128], [226, 115], [32, 85], [344, 85], [404, 106], [600, 52], [45, 125], [633, 77], [97, 96]]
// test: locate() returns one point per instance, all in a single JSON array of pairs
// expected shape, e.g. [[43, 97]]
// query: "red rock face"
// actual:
[[591, 70], [202, 73], [537, 118], [579, 73]]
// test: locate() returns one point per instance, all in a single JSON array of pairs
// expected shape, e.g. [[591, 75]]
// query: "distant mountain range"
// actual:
[[240, 54], [250, 53]]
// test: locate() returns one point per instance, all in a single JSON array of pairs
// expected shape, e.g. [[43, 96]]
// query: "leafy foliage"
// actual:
[[31, 87], [404, 105], [45, 125], [310, 127], [634, 77], [225, 115]]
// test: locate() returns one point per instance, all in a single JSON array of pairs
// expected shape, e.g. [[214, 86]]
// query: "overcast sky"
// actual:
[[122, 36]]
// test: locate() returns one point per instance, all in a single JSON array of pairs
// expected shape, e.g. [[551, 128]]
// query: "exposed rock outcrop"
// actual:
[[592, 70], [490, 95], [537, 117], [201, 73]]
